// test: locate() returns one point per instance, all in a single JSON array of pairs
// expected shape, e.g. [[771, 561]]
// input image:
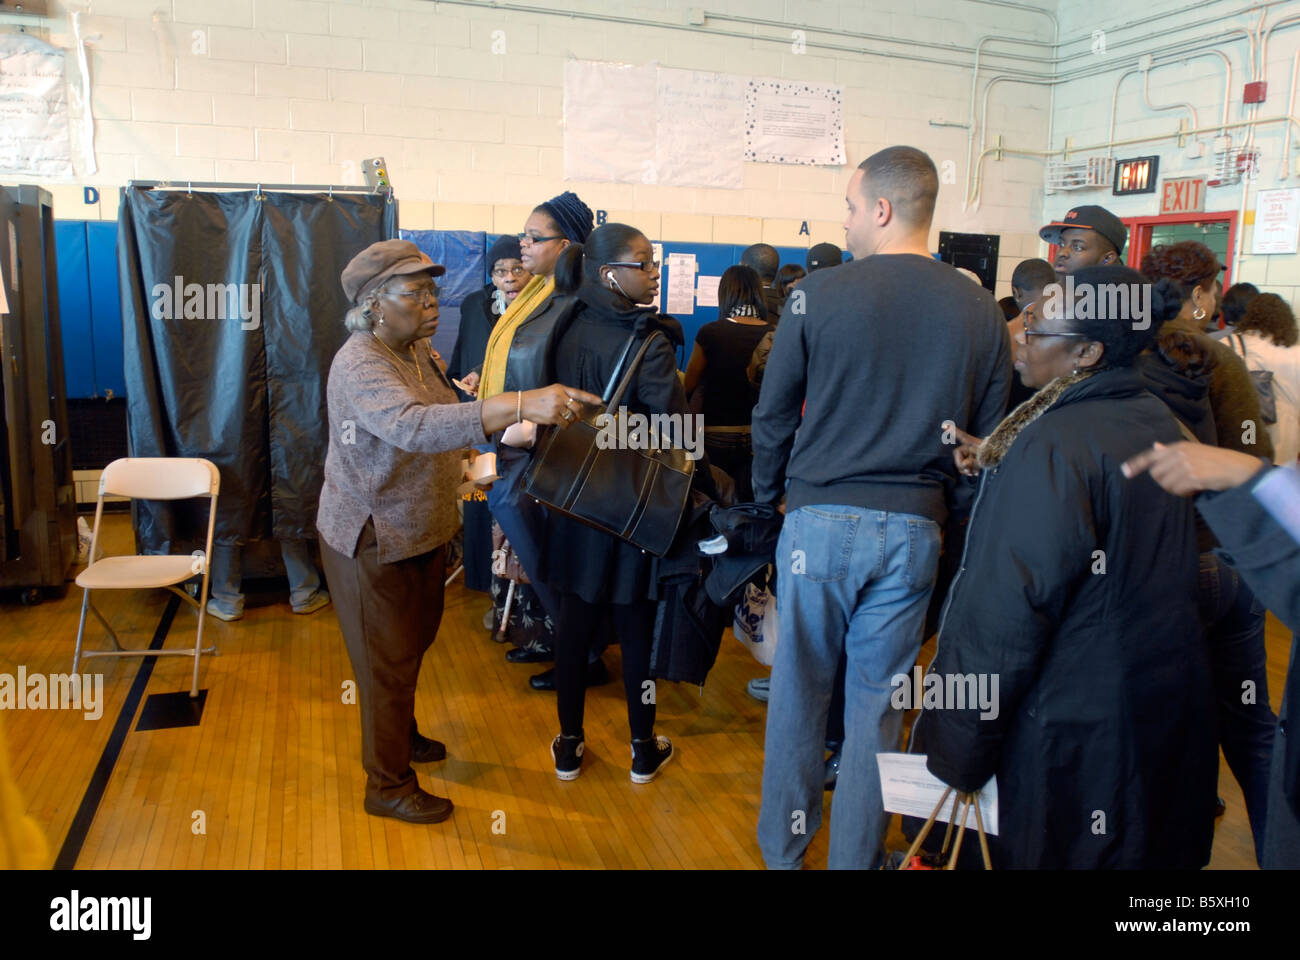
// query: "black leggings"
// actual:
[[575, 629]]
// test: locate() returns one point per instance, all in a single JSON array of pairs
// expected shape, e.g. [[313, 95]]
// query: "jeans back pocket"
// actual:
[[821, 543]]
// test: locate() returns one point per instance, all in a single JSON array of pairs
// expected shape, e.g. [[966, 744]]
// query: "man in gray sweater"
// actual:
[[870, 362]]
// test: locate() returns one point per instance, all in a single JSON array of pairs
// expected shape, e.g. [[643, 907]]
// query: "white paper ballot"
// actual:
[[681, 284], [910, 789], [706, 291]]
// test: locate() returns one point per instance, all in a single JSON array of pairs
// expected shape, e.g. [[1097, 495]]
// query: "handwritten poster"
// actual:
[[601, 140], [1277, 221], [787, 121], [34, 139], [701, 125]]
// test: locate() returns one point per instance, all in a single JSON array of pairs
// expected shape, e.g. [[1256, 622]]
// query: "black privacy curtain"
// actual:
[[231, 313]]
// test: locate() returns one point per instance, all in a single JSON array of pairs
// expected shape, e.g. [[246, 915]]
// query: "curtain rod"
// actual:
[[259, 187]]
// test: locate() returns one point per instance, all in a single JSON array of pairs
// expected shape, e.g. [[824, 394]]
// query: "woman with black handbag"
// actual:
[[612, 277]]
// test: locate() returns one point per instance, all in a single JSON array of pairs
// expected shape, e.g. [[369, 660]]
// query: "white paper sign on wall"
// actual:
[[1277, 221], [787, 121], [34, 139]]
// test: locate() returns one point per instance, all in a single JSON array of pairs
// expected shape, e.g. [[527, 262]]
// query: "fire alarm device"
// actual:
[[376, 170], [1255, 92]]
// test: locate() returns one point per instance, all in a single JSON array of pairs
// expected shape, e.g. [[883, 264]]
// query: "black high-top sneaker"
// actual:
[[649, 757], [567, 753]]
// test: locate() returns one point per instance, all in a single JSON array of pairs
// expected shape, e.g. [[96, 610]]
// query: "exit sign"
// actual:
[[1183, 195], [1136, 176]]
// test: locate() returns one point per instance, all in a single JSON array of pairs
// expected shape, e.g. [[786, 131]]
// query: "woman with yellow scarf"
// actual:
[[516, 356]]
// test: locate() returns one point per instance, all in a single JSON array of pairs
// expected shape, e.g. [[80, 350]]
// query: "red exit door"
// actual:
[[1218, 231]]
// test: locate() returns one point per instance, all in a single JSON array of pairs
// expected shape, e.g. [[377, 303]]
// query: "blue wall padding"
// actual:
[[105, 307], [74, 308]]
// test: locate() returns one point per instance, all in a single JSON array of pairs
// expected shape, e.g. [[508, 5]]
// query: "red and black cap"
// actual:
[[1089, 217]]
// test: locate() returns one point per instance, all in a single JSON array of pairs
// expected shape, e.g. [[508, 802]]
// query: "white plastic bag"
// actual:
[[755, 625], [83, 540]]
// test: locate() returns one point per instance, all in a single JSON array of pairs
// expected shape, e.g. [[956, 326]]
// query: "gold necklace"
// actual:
[[418, 372]]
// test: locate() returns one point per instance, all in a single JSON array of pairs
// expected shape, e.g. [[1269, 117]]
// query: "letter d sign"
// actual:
[[91, 195]]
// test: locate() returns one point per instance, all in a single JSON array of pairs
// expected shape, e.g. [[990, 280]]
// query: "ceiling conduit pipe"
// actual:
[[971, 196], [1261, 68], [1048, 154], [1146, 96], [1286, 150]]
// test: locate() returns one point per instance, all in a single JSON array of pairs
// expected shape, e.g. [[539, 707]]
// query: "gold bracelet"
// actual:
[[519, 408]]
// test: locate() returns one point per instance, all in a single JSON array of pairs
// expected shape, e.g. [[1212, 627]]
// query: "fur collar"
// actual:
[[996, 444]]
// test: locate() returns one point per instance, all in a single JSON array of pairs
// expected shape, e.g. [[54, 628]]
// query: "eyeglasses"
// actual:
[[512, 272], [647, 266], [530, 239], [424, 295], [1035, 333]]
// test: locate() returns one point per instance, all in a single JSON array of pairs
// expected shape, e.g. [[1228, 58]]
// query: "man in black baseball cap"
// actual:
[[1087, 236], [824, 255]]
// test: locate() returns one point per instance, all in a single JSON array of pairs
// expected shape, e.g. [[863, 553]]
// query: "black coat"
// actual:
[[588, 342], [1104, 743], [476, 323]]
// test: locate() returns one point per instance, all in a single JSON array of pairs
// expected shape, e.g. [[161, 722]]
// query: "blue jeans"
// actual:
[[227, 591], [854, 581], [522, 520], [1234, 624]]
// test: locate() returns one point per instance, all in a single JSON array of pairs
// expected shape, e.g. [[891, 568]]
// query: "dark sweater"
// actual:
[[476, 323], [887, 348]]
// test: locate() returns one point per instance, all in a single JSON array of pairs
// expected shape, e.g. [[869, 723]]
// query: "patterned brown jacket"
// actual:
[[395, 447]]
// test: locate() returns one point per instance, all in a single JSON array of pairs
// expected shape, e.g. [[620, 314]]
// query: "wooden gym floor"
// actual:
[[271, 778]]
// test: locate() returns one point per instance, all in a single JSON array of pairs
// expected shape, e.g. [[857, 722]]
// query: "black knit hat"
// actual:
[[505, 248], [571, 215]]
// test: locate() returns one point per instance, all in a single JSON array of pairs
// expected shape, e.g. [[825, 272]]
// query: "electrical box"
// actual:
[[977, 252], [1255, 92], [376, 171]]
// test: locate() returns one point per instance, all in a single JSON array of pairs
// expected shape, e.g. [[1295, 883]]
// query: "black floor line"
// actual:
[[76, 837]]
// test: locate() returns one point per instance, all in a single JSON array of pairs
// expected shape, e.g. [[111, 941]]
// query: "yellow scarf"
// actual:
[[493, 380]]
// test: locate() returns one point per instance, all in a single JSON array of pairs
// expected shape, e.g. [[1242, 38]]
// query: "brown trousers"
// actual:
[[389, 614]]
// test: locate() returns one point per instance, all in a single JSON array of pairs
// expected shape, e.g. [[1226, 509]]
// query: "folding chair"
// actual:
[[150, 478]]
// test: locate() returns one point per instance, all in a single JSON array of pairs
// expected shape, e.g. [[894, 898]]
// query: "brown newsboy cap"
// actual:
[[379, 261]]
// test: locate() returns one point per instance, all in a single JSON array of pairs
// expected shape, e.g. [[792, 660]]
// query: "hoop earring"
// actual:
[[1198, 313]]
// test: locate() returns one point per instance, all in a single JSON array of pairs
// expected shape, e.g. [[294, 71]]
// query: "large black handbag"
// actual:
[[635, 495]]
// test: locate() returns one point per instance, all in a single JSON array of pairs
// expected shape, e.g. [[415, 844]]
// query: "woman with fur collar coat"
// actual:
[[1076, 606]]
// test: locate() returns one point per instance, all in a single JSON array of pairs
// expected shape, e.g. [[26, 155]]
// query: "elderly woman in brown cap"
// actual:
[[388, 503]]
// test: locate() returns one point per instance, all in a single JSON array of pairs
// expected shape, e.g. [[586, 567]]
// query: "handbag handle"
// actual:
[[966, 800], [613, 402], [618, 367]]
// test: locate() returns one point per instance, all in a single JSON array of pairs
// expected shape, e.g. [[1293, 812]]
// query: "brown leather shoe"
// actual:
[[417, 807], [426, 750]]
